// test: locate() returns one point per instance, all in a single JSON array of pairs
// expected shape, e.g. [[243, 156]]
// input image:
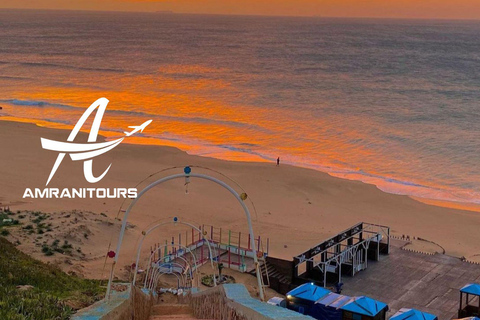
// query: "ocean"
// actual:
[[395, 103]]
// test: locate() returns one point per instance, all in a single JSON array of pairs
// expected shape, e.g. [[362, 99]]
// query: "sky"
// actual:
[[417, 9]]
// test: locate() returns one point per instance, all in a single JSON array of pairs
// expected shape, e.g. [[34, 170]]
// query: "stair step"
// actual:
[[266, 269], [171, 309], [173, 317]]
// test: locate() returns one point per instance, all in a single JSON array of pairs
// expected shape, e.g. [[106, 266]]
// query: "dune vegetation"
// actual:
[[31, 289]]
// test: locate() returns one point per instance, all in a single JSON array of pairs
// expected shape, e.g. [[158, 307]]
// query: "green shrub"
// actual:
[[66, 245], [51, 287]]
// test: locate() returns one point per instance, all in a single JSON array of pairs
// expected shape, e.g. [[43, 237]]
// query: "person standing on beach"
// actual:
[[278, 161]]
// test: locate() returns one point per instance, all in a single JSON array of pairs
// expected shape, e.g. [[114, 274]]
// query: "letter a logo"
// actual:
[[87, 151]]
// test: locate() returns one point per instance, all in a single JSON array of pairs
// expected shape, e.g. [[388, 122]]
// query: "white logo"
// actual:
[[87, 151]]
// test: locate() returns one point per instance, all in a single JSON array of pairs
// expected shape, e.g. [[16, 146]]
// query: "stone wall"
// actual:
[[123, 305]]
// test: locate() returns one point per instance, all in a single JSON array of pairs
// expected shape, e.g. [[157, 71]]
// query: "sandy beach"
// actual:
[[294, 207]]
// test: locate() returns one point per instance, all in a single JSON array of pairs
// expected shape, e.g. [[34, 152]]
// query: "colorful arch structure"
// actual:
[[187, 174], [175, 221]]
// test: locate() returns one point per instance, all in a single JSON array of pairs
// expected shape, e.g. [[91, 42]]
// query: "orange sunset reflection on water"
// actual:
[[181, 111], [190, 114]]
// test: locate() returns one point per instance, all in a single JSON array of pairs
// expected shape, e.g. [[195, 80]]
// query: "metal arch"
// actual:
[[167, 265], [161, 274], [154, 284], [180, 257], [157, 271], [185, 175], [162, 224], [163, 262], [154, 287], [163, 259]]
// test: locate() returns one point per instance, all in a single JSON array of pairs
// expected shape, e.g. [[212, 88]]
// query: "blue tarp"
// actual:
[[412, 314], [365, 306], [309, 292], [472, 288]]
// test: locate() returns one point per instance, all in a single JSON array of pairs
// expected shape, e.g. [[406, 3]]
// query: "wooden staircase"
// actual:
[[268, 272]]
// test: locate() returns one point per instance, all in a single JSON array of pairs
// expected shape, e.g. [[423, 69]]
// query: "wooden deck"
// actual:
[[405, 279]]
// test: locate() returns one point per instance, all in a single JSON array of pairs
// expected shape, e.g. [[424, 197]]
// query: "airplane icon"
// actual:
[[137, 128]]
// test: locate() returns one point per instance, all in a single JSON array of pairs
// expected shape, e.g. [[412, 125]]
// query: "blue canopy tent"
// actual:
[[322, 304], [329, 307], [471, 288], [471, 307], [303, 298], [360, 308], [413, 314]]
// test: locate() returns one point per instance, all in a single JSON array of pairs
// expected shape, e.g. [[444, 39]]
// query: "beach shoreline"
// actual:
[[238, 157], [295, 207]]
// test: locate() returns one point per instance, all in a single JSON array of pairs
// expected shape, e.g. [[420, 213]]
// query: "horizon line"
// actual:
[[170, 12]]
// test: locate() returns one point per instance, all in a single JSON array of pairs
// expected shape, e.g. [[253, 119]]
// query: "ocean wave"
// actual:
[[387, 184], [245, 150], [15, 78], [34, 103], [62, 66], [57, 121]]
